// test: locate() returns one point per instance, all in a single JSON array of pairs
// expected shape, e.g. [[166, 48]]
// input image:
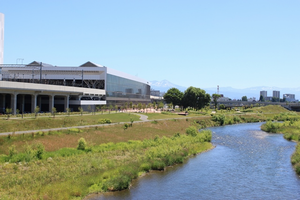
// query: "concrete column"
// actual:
[[13, 103], [39, 101], [51, 102], [66, 104], [33, 102]]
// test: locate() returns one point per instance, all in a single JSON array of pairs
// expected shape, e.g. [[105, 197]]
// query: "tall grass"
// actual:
[[112, 166]]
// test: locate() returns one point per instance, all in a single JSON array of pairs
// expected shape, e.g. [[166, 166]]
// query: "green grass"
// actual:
[[106, 167], [25, 124]]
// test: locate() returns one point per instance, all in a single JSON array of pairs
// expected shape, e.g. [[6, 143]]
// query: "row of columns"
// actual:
[[34, 101]]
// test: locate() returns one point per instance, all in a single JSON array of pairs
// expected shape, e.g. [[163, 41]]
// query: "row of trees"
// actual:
[[130, 105], [192, 97]]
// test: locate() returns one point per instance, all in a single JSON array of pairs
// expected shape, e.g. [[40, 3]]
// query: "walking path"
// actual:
[[143, 118]]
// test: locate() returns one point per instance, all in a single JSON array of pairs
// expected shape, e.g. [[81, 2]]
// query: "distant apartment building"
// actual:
[[289, 97], [263, 93], [276, 94]]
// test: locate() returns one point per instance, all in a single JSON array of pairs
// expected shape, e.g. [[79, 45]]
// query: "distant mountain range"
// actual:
[[230, 92]]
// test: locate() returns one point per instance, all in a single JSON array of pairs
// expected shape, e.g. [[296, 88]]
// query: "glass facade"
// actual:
[[125, 88]]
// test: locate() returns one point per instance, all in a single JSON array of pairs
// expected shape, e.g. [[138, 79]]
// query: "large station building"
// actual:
[[23, 87]]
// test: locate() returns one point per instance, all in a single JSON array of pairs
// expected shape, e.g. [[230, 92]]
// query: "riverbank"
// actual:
[[107, 167], [48, 165], [290, 128]]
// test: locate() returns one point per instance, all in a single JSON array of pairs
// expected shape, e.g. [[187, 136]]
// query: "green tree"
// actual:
[[139, 106], [195, 98], [131, 122], [110, 108], [68, 111], [150, 105], [36, 111], [103, 108], [170, 106], [244, 98], [215, 98], [261, 98], [8, 112], [144, 106], [80, 110], [173, 96], [126, 106], [54, 111], [154, 105], [17, 112], [160, 105]]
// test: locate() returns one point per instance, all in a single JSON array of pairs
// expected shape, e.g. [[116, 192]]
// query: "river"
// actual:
[[247, 163]]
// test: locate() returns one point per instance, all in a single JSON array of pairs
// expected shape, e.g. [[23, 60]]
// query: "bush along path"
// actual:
[[85, 170]]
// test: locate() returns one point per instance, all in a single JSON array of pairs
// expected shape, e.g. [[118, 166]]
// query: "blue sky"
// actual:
[[190, 43]]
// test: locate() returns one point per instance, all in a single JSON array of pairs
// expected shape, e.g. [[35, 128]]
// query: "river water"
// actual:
[[247, 163]]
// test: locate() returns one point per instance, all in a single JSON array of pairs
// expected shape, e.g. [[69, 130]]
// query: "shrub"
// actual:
[[131, 121], [145, 167], [176, 135], [73, 130], [120, 182], [81, 144], [126, 126], [192, 130], [104, 121], [236, 119], [154, 122], [12, 151], [272, 127], [40, 149], [219, 118], [158, 165]]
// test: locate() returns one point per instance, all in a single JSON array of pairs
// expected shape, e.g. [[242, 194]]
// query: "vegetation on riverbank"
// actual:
[[52, 165], [99, 168], [290, 128]]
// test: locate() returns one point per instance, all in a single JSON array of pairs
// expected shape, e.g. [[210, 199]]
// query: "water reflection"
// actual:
[[247, 163]]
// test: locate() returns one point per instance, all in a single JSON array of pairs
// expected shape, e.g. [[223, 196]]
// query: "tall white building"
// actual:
[[1, 37], [263, 93]]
